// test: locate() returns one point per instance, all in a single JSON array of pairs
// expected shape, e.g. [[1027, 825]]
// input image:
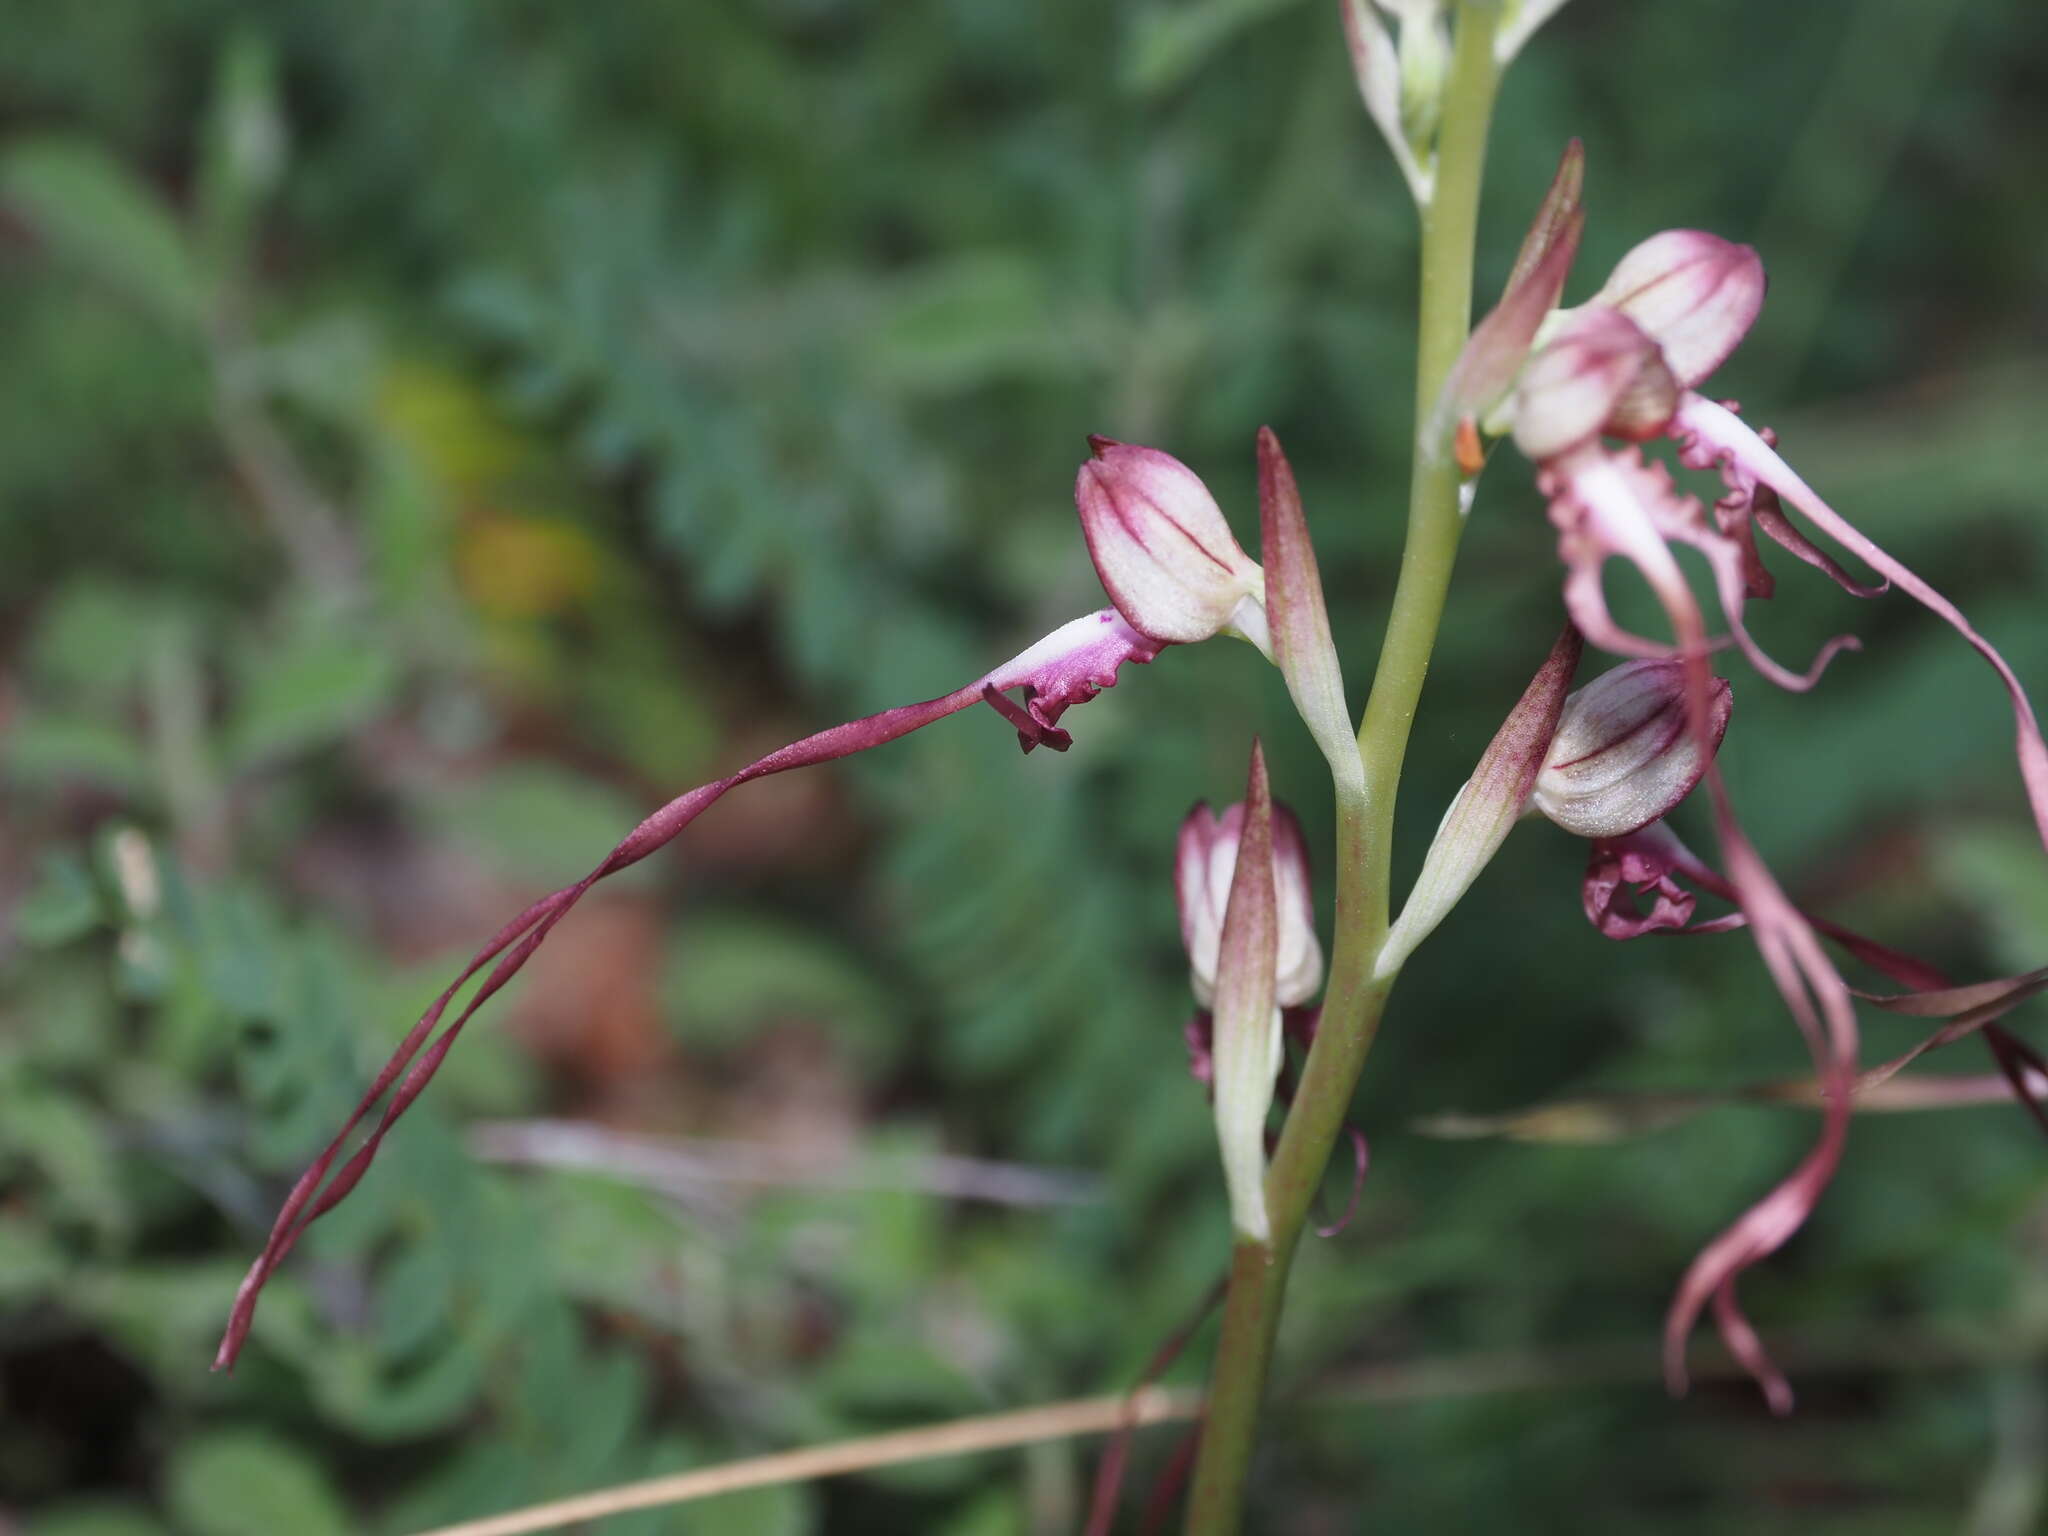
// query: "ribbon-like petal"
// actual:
[[1068, 667], [1711, 435]]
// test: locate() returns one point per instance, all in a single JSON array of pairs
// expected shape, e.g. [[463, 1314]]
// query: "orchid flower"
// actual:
[[1580, 389], [1235, 1049], [1628, 365], [1174, 574], [1205, 868]]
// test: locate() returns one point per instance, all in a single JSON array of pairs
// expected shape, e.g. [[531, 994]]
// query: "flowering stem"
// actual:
[[1365, 810]]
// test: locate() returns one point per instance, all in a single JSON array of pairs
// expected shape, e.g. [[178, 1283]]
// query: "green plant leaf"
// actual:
[[92, 211], [63, 904], [729, 976], [537, 821], [96, 1517], [67, 1141], [321, 685], [247, 1482]]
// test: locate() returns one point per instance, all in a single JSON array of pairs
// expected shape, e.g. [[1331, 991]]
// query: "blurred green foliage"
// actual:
[[435, 434]]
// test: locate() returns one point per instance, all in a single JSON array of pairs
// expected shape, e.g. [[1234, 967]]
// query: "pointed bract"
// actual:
[[1247, 1012], [1497, 351], [1487, 807], [1558, 219], [1300, 620], [1493, 357], [1376, 65]]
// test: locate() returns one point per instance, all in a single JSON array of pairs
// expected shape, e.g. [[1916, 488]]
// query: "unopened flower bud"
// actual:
[[1425, 54], [1694, 294], [1163, 549], [1601, 373], [1205, 863], [1624, 753]]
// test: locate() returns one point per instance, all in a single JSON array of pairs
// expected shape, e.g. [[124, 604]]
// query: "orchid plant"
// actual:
[[1581, 391]]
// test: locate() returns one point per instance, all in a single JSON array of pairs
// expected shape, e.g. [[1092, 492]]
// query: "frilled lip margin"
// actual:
[[1068, 667]]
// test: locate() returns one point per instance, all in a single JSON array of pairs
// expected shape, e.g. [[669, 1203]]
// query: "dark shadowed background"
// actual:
[[432, 435]]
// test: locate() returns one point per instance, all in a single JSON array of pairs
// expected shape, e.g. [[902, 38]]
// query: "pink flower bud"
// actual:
[[1695, 294], [1601, 374], [1162, 548], [1205, 862], [1622, 756]]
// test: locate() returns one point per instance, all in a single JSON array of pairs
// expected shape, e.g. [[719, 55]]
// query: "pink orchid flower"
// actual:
[[1205, 866], [1175, 575], [1581, 389], [1256, 968]]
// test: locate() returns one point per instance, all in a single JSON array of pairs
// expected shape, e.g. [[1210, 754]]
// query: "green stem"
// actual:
[[1355, 999]]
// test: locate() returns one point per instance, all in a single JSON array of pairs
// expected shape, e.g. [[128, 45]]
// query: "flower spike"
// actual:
[[1627, 364], [1690, 297]]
